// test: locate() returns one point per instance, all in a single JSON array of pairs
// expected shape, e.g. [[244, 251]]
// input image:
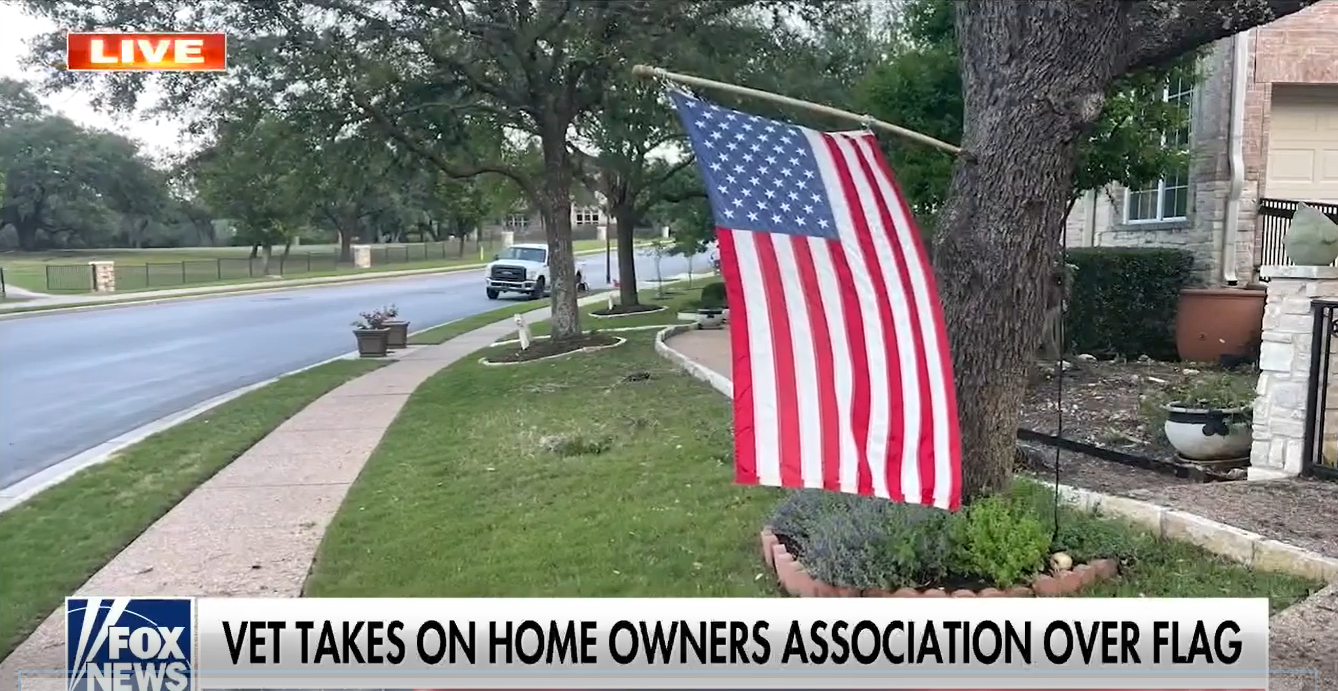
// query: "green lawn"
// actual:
[[55, 541], [610, 474], [675, 298], [157, 269], [464, 497]]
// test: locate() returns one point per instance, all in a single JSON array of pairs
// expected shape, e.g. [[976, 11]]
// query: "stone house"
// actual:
[[589, 219], [1263, 133]]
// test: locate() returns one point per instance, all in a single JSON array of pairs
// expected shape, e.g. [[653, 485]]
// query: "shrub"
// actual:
[[864, 542], [1123, 300], [1000, 540], [713, 296]]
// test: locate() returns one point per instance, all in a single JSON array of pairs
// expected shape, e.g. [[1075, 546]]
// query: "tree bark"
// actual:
[[625, 220], [555, 208], [1034, 75], [269, 256]]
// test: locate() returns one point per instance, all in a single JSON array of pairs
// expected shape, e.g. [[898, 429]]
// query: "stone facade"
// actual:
[[1284, 371], [1301, 49]]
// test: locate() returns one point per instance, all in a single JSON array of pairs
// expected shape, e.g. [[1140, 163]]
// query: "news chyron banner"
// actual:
[[183, 644]]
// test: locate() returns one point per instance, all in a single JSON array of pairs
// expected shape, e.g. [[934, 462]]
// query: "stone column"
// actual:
[[602, 231], [362, 256], [508, 238], [104, 276], [1284, 371], [664, 233]]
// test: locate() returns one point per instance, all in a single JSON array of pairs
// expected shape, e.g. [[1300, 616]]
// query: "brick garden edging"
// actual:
[[795, 579]]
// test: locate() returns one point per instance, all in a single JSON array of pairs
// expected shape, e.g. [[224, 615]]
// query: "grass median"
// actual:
[[610, 474], [675, 299], [58, 539]]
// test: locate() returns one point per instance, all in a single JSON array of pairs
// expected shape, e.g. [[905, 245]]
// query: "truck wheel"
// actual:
[[538, 291], [492, 294]]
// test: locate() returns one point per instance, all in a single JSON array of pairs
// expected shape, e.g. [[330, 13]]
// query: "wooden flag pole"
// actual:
[[656, 73]]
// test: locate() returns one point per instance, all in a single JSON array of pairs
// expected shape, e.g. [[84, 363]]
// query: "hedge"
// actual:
[[1123, 300]]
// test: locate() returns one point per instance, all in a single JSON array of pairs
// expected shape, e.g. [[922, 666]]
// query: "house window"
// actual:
[[587, 216], [1168, 198], [517, 221]]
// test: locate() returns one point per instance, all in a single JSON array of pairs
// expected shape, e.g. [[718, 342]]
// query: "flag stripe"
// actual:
[[741, 375], [947, 443], [806, 359], [887, 427], [917, 469], [868, 406], [761, 362], [829, 429], [902, 472], [783, 361]]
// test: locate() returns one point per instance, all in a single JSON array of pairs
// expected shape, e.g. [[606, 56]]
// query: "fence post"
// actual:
[[104, 276], [1289, 412], [218, 266]]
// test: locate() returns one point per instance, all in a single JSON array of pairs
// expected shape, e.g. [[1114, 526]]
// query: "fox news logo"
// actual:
[[129, 644]]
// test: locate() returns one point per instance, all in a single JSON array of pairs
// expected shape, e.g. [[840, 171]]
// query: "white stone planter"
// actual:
[[1208, 434]]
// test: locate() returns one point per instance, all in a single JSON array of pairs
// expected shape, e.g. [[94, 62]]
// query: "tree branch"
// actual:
[[1162, 30], [451, 169]]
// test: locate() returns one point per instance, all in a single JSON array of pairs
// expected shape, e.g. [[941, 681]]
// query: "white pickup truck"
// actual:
[[523, 269]]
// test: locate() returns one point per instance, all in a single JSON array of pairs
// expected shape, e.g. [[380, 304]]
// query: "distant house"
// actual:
[[589, 219], [1232, 204]]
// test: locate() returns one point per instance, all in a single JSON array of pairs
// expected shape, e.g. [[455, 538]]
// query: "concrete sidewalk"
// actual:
[[253, 529]]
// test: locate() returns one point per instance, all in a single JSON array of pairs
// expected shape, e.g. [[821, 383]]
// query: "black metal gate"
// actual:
[[1316, 460]]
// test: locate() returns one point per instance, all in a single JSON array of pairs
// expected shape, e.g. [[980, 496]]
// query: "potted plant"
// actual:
[[372, 334], [1210, 420], [399, 329]]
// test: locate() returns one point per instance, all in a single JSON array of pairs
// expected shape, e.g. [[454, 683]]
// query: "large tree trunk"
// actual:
[[625, 219], [26, 229], [345, 246], [269, 256], [555, 208], [1034, 75]]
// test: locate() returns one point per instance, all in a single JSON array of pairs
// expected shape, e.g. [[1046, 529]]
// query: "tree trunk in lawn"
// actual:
[[345, 247], [625, 219], [1034, 75], [269, 256], [555, 208]]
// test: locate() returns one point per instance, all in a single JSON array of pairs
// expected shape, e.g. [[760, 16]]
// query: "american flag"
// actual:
[[842, 374]]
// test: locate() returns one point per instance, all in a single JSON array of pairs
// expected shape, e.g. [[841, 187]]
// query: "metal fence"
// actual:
[[1319, 458], [1274, 219], [76, 278]]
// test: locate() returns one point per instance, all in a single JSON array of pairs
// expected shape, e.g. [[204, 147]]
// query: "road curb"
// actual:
[[1242, 546], [19, 312]]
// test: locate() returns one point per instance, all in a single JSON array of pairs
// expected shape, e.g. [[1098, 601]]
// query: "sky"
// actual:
[[159, 137]]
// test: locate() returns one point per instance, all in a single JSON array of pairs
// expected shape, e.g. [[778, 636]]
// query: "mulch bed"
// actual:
[[619, 310], [1101, 407], [547, 347]]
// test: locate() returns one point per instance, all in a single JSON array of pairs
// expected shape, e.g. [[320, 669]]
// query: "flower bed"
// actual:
[[795, 579]]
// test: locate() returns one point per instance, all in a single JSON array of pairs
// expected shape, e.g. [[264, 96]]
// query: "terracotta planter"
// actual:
[[1212, 322], [372, 342], [399, 334]]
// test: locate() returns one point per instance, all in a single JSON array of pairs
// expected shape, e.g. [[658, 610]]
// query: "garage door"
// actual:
[[1303, 143]]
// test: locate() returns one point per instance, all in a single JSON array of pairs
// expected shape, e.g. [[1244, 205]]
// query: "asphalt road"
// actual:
[[71, 381]]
